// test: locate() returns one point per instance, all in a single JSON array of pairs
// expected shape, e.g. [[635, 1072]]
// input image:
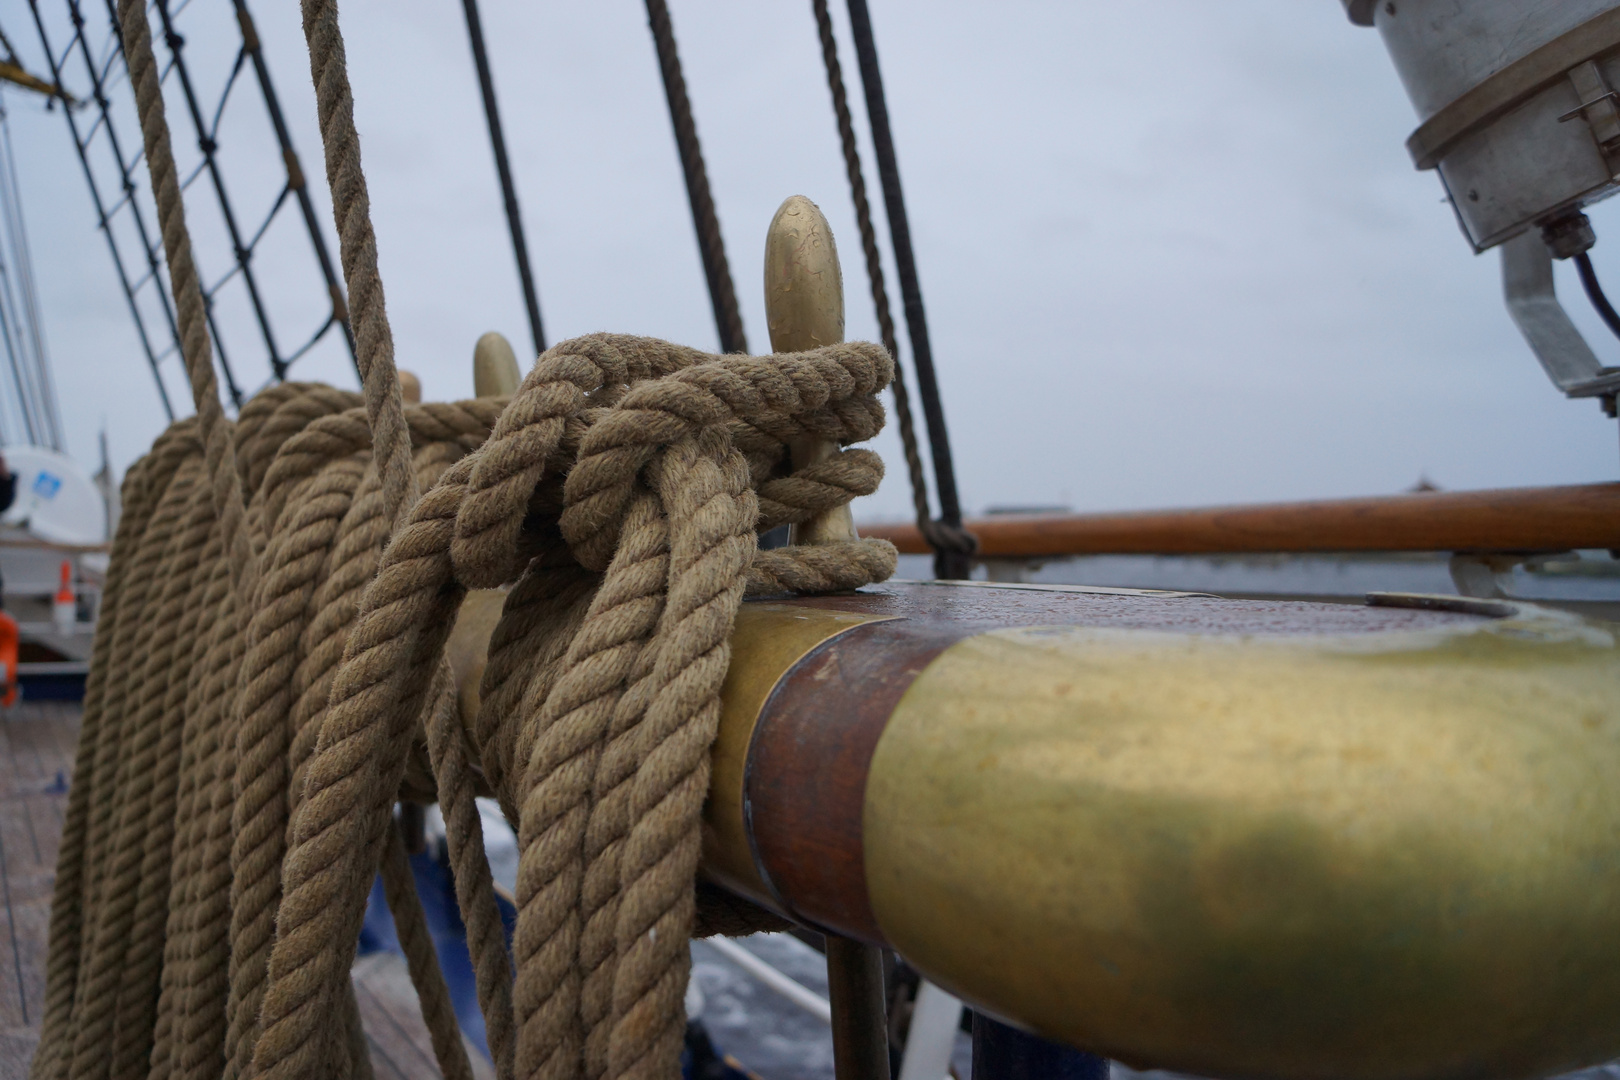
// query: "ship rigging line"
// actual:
[[207, 142], [874, 274], [954, 546], [103, 215], [497, 142], [19, 312], [29, 315], [295, 181], [711, 245]]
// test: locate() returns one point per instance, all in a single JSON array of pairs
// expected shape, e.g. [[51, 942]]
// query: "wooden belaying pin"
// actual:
[[804, 306], [495, 367]]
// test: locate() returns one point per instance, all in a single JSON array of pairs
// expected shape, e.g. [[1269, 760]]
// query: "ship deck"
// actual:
[[37, 744]]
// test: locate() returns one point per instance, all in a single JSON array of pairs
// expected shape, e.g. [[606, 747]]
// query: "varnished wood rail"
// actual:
[[1504, 520]]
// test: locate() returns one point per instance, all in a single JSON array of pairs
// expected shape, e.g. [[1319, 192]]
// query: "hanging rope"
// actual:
[[931, 531], [953, 545], [503, 169], [711, 245], [268, 678]]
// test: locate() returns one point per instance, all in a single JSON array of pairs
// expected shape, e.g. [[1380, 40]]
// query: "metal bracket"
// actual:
[[1486, 575], [1527, 279], [1598, 106]]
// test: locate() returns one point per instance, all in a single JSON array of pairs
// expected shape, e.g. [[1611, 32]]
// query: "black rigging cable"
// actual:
[[874, 268], [28, 302], [1594, 292], [118, 195], [295, 182], [711, 246], [104, 212], [497, 140], [953, 561], [207, 143]]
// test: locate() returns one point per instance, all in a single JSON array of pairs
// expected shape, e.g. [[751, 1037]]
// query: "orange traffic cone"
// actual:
[[65, 610]]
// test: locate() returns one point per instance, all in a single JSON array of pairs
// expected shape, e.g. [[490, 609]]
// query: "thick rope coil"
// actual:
[[235, 777], [617, 494]]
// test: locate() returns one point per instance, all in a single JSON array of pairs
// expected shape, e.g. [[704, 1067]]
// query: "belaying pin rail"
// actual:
[[1227, 837]]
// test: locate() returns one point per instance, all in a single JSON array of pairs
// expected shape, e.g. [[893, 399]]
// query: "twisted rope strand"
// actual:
[[190, 309], [357, 251]]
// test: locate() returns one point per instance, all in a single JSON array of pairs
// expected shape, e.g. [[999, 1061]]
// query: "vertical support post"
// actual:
[[1005, 1053], [859, 1021]]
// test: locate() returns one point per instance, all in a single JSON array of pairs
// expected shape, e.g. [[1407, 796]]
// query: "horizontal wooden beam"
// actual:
[[1509, 519]]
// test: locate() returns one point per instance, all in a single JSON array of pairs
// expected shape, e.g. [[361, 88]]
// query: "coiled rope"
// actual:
[[268, 678]]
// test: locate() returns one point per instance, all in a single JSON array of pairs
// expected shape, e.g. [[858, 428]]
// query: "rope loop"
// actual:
[[597, 410], [944, 536]]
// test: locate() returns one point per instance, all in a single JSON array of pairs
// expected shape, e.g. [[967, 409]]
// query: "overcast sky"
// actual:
[[1172, 252]]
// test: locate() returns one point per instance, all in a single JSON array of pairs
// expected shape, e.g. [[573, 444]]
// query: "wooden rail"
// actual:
[[1509, 519]]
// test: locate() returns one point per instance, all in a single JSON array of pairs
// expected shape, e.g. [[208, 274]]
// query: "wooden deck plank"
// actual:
[[16, 1051], [45, 827], [14, 1014], [399, 1040], [37, 744]]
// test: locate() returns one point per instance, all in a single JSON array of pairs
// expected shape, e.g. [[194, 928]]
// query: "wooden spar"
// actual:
[[1506, 520]]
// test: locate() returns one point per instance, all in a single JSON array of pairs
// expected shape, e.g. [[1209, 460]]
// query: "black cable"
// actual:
[[207, 145], [497, 141], [874, 268], [1594, 293], [711, 246], [102, 213], [295, 181], [955, 562]]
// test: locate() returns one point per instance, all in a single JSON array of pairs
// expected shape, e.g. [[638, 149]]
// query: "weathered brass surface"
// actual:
[[495, 367], [768, 640], [804, 306], [804, 287], [1388, 855]]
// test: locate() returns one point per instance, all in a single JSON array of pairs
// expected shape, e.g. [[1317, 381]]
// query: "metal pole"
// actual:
[[497, 141], [859, 1021], [948, 564]]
